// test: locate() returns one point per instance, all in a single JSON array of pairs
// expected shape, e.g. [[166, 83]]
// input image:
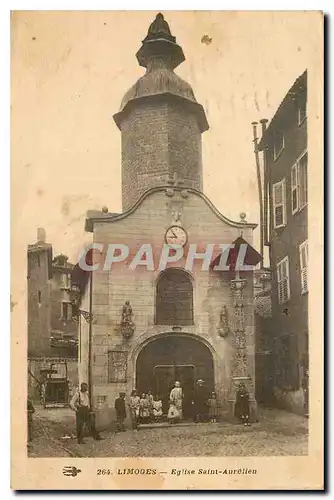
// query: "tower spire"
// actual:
[[160, 43], [160, 120]]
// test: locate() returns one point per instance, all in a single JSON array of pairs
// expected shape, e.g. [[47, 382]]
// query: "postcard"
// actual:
[[167, 235]]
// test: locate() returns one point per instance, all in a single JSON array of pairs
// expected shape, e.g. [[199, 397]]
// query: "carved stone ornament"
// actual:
[[224, 328], [127, 325], [170, 192]]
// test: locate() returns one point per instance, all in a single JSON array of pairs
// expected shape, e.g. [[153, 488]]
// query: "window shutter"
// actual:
[[279, 281], [279, 203], [294, 189], [286, 280], [303, 254], [283, 281], [69, 312], [303, 180]]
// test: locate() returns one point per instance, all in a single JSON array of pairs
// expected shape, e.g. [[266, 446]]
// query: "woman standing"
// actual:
[[175, 400], [241, 409], [134, 409]]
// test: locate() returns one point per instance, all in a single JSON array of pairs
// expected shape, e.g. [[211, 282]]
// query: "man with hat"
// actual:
[[200, 401], [80, 404]]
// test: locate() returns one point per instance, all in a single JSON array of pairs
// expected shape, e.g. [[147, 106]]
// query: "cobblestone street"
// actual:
[[278, 433]]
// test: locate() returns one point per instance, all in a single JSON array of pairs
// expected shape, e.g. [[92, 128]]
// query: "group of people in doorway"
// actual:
[[144, 409], [204, 404], [147, 408]]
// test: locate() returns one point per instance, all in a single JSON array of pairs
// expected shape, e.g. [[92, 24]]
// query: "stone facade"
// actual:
[[211, 292]]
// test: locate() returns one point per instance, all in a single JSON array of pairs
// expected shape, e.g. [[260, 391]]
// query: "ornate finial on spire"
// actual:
[[160, 43], [159, 29]]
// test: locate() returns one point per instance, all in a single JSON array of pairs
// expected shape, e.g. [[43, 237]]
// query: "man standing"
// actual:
[[200, 402], [31, 411], [134, 409], [120, 411], [80, 404]]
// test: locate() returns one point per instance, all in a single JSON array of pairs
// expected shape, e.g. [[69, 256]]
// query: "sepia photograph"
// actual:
[[162, 207]]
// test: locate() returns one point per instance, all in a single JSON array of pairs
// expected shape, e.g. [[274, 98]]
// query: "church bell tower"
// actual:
[[160, 121]]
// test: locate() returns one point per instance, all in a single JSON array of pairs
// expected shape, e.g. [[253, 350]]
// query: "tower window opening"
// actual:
[[174, 298]]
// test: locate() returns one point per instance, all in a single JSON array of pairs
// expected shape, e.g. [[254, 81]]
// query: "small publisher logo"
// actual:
[[71, 471]]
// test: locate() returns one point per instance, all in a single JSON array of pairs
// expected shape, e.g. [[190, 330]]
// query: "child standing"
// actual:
[[144, 412], [157, 409], [213, 407]]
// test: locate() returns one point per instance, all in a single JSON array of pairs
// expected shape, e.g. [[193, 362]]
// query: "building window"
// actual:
[[278, 144], [66, 311], [279, 204], [303, 259], [65, 280], [174, 299], [302, 113], [283, 280], [38, 260], [39, 297], [299, 184]]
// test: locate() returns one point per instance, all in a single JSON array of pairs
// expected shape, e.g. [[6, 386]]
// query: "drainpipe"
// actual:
[[264, 122], [259, 186], [90, 340]]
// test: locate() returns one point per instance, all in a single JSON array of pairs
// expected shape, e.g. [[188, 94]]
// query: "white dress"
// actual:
[[175, 398]]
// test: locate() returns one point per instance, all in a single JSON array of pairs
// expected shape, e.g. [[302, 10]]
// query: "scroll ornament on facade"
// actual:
[[127, 325], [224, 328]]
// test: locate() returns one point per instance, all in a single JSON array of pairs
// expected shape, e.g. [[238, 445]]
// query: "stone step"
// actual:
[[160, 425]]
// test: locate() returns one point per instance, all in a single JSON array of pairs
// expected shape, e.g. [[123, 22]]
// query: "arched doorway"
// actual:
[[174, 357]]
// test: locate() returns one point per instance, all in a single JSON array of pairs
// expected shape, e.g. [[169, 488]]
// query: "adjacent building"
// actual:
[[52, 325], [284, 146]]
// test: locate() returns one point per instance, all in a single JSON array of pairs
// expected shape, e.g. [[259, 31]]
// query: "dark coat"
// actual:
[[120, 408], [241, 408], [201, 396]]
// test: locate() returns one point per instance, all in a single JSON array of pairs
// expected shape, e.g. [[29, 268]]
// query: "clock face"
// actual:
[[176, 235]]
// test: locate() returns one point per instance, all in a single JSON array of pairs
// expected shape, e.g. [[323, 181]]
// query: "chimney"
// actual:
[[263, 122], [41, 236]]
